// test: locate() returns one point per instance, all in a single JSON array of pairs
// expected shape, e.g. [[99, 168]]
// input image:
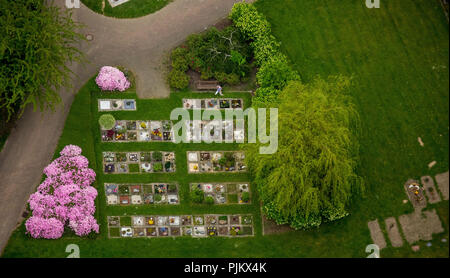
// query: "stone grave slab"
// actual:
[[430, 189], [393, 232], [420, 225], [376, 234], [415, 194], [442, 182]]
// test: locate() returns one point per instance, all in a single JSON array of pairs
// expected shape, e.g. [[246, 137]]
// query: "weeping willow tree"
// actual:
[[37, 43], [311, 179]]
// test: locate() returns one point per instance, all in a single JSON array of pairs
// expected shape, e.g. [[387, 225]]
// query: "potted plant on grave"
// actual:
[[197, 195], [209, 200], [245, 197]]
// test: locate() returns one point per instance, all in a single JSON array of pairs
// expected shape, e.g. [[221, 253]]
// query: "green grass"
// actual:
[[131, 9], [390, 52], [398, 58]]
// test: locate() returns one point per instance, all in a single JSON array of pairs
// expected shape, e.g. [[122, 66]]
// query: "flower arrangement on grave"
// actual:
[[143, 125], [157, 132], [65, 198], [112, 79]]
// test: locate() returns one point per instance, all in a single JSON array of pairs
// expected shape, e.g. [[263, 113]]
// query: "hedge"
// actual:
[[275, 72]]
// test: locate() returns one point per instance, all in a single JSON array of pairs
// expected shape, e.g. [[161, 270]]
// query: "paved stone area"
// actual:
[[442, 181], [393, 232], [420, 226], [376, 234]]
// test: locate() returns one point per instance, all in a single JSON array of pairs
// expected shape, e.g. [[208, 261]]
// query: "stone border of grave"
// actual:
[[223, 131], [141, 194], [116, 105], [221, 190], [115, 3], [194, 165], [144, 160], [139, 131], [198, 226], [213, 103]]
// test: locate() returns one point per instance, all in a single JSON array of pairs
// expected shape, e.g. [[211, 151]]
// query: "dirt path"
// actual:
[[138, 44]]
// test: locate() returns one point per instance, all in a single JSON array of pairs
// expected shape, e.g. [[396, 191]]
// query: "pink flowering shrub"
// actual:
[[65, 197], [111, 79]]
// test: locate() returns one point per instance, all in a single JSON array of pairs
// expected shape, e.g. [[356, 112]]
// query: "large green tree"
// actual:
[[311, 179], [37, 43]]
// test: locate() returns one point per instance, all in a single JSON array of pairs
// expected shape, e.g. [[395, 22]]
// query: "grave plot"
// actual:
[[393, 232], [141, 194], [225, 193], [376, 234], [116, 105], [213, 103], [139, 131], [216, 161], [138, 162], [184, 225], [215, 131], [430, 190], [420, 225], [442, 182], [415, 194]]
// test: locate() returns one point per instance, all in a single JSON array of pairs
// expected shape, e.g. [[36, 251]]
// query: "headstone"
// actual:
[[430, 190], [442, 182], [376, 234]]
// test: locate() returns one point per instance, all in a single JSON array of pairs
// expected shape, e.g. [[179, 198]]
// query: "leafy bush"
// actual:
[[179, 58], [157, 197], [275, 71], [111, 79], [245, 197], [209, 200], [157, 156], [158, 167], [197, 195], [231, 79], [178, 79], [65, 197], [224, 55], [107, 121]]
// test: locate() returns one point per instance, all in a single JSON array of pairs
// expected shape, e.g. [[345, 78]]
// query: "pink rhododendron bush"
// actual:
[[66, 197], [111, 79]]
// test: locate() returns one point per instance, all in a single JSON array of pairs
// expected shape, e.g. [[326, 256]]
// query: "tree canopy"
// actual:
[[38, 42], [311, 178]]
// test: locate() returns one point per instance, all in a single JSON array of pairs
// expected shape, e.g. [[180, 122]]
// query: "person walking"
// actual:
[[219, 90]]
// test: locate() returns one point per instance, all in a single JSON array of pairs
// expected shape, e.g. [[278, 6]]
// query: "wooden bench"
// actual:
[[206, 85]]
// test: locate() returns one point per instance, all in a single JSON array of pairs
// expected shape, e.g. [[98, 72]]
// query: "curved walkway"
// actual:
[[138, 44]]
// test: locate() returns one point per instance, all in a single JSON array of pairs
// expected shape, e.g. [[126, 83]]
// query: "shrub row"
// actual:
[[275, 71]]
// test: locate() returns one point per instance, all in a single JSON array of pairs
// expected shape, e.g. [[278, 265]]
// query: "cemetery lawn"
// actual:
[[129, 9], [398, 56]]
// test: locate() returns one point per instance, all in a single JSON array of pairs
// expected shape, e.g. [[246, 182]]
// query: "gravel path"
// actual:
[[138, 44]]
